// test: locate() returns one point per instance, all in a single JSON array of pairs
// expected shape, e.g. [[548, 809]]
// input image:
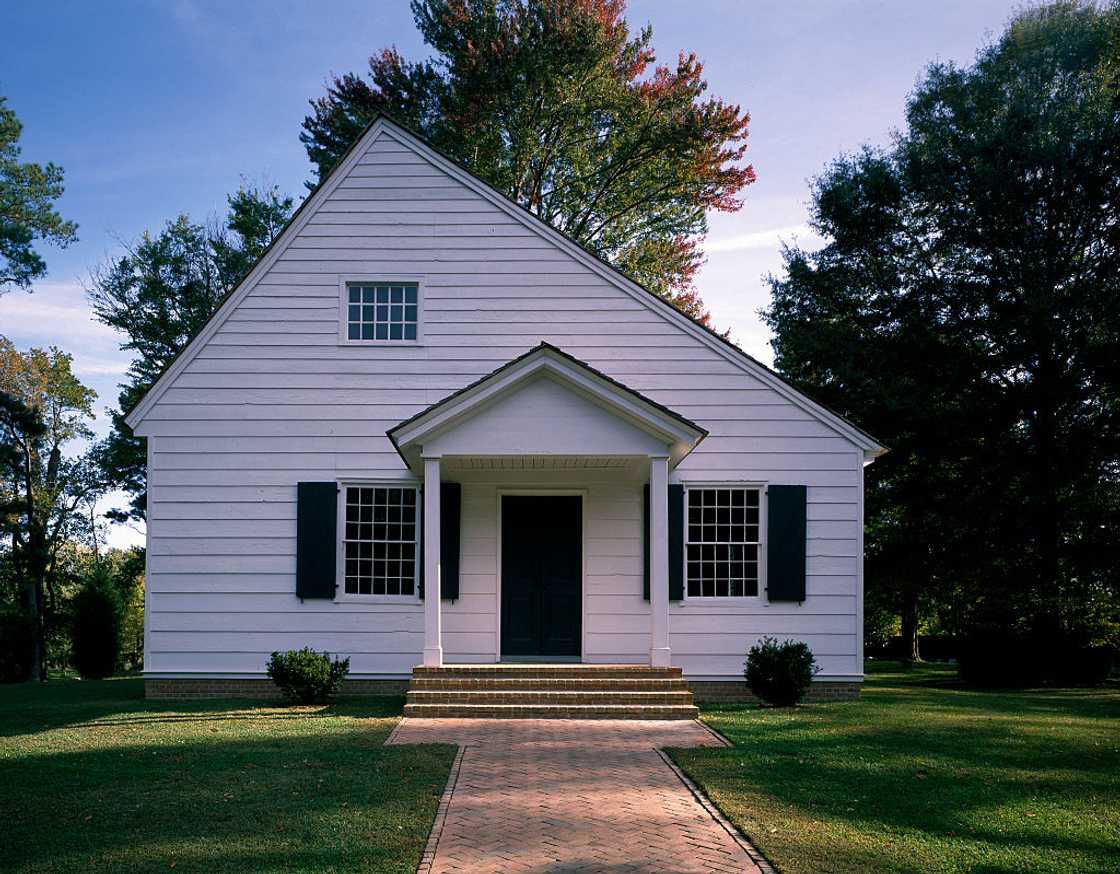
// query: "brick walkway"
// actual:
[[573, 795]]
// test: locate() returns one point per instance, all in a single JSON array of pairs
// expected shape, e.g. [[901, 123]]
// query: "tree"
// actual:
[[160, 293], [27, 196], [43, 407], [966, 310], [562, 110]]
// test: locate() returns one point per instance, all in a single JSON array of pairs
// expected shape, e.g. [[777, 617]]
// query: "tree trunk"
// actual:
[[910, 651], [1047, 513], [35, 571]]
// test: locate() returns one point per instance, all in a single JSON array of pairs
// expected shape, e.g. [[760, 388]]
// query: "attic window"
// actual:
[[382, 312]]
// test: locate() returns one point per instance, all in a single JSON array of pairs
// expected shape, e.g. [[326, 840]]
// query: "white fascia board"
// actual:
[[667, 311], [303, 215]]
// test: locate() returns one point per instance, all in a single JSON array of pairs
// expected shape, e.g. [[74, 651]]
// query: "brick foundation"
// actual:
[[704, 691], [219, 687], [716, 691]]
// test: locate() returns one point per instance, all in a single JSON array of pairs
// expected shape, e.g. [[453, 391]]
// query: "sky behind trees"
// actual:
[[156, 108]]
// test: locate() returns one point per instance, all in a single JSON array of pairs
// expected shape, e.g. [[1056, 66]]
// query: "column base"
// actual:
[[660, 657], [433, 656]]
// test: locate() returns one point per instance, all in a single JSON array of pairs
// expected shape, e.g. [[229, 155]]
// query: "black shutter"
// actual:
[[676, 542], [785, 543], [420, 533], [450, 500], [316, 539], [645, 541], [450, 516]]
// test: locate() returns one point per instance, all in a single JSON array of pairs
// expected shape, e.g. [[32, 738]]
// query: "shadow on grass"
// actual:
[[27, 708], [979, 780], [310, 789]]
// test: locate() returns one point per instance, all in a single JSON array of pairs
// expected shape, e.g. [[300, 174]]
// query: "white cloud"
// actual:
[[52, 313], [771, 238], [119, 535]]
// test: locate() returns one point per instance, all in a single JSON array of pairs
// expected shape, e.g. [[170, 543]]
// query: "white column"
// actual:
[[659, 654], [433, 638]]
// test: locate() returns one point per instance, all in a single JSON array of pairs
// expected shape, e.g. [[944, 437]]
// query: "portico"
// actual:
[[547, 413]]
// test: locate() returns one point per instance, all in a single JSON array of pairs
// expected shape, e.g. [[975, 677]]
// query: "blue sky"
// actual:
[[162, 107]]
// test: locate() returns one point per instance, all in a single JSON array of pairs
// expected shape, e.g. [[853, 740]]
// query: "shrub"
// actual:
[[1013, 659], [306, 676], [780, 673], [17, 642], [96, 630]]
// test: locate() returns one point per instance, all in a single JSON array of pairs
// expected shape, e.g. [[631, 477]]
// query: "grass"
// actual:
[[921, 775], [94, 777]]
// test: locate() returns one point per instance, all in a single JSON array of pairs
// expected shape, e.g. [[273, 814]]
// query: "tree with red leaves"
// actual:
[[559, 107]]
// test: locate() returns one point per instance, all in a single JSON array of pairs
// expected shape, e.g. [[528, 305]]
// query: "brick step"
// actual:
[[619, 672], [565, 699], [548, 684], [549, 711]]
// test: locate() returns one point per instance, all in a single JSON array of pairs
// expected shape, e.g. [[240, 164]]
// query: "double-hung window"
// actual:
[[722, 542], [380, 540], [383, 311]]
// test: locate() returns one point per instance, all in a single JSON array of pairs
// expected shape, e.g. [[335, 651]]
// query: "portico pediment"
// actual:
[[545, 403]]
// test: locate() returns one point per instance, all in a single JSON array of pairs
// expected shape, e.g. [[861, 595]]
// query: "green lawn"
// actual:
[[920, 775], [93, 777]]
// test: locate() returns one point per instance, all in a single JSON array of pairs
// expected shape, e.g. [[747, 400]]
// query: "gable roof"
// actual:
[[681, 434], [382, 124]]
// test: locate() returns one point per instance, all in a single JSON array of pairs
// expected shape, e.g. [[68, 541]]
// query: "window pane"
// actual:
[[380, 556], [722, 542], [375, 310]]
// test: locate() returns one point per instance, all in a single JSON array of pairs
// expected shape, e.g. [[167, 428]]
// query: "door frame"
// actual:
[[541, 492]]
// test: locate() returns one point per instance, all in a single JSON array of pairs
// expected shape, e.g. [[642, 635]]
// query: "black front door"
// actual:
[[542, 563]]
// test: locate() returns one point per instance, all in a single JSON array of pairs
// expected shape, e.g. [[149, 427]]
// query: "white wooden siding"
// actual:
[[273, 399]]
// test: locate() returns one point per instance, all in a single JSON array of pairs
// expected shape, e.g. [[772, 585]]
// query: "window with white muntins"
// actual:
[[722, 542], [380, 540], [383, 312]]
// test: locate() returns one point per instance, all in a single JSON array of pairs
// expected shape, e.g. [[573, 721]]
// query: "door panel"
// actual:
[[542, 567]]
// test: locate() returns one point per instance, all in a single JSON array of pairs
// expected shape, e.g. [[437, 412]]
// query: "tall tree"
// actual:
[[160, 293], [27, 196], [562, 109], [966, 309], [43, 407]]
